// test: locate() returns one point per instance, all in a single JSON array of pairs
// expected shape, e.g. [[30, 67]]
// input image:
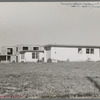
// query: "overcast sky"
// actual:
[[45, 23]]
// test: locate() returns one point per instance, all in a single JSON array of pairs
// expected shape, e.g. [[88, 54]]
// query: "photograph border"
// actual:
[[48, 1]]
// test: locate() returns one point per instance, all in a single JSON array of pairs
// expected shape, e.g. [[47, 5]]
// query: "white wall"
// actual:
[[41, 56], [47, 55], [28, 57], [19, 58], [64, 53]]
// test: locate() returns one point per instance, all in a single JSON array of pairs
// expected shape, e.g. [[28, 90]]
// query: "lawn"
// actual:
[[50, 80]]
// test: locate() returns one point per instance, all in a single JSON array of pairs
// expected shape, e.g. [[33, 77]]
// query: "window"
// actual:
[[2, 58], [8, 58], [92, 51], [35, 48], [9, 51], [89, 51], [79, 50], [22, 56], [33, 55], [25, 48]]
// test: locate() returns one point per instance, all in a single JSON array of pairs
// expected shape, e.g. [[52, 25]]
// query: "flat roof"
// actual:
[[31, 51], [72, 46]]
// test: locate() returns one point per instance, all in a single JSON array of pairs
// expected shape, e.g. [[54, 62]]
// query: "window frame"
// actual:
[[34, 48], [25, 47], [90, 50]]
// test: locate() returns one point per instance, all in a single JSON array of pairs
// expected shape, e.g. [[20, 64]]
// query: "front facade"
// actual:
[[31, 56], [52, 53]]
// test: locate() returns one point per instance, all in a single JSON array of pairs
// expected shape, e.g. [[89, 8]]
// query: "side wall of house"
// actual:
[[71, 54], [3, 51], [47, 53]]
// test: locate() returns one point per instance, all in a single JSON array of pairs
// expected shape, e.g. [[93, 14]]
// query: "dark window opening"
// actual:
[[9, 51], [9, 58], [33, 55], [35, 48], [92, 51], [2, 58], [89, 51], [25, 48], [79, 50]]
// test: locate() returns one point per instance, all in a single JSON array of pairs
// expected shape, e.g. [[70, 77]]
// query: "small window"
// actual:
[[79, 50], [25, 48], [22, 56], [92, 51], [35, 48], [16, 48], [33, 55], [9, 51], [89, 51]]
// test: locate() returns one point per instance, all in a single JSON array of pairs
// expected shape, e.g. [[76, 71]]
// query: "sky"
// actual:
[[39, 23]]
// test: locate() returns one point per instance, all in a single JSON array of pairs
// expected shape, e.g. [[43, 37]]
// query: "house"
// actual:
[[49, 53], [59, 52], [21, 53]]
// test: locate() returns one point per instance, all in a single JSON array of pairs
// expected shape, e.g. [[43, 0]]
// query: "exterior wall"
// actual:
[[71, 54], [28, 57], [4, 50], [41, 56], [13, 58], [19, 58], [20, 47], [47, 53], [30, 47]]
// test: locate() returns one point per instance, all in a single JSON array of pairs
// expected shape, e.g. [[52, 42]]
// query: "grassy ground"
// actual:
[[50, 80]]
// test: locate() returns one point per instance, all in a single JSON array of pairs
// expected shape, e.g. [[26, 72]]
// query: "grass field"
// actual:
[[50, 80]]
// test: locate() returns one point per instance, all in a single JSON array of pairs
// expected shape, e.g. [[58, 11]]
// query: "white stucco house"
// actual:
[[22, 53], [71, 53], [49, 52]]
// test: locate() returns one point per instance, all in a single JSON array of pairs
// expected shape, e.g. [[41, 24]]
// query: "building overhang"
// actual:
[[70, 46], [24, 51]]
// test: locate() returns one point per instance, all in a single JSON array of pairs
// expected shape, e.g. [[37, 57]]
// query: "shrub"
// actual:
[[49, 60]]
